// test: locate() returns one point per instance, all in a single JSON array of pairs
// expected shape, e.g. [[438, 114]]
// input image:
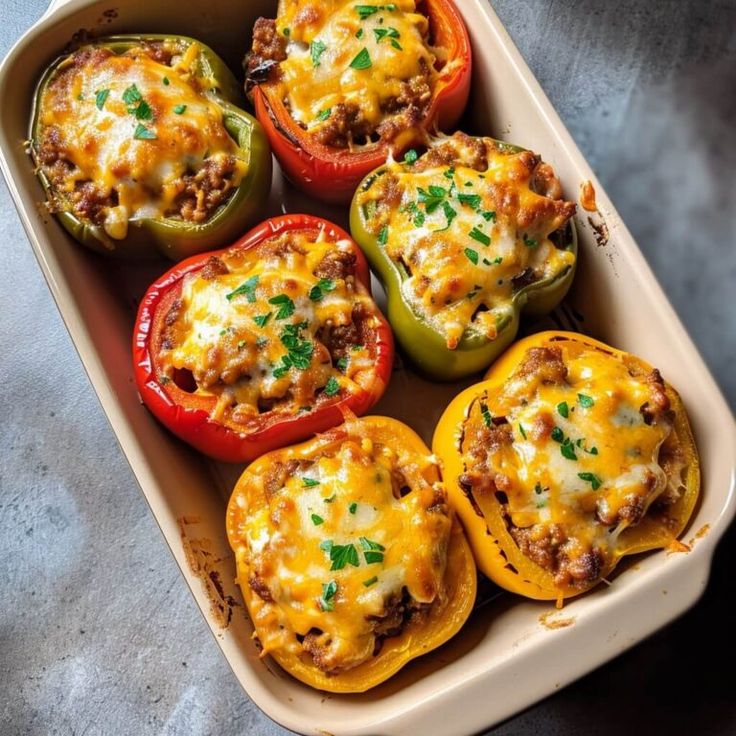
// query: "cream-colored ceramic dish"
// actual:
[[512, 652]]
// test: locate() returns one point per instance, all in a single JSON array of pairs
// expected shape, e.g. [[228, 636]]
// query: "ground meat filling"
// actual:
[[268, 49], [205, 190]]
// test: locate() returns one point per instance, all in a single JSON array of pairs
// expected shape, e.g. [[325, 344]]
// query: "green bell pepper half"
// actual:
[[175, 238], [420, 341]]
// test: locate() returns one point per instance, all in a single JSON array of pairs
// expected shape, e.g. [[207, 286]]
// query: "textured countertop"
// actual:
[[98, 632]]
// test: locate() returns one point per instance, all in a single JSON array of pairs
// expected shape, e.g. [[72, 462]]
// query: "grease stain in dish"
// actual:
[[587, 196]]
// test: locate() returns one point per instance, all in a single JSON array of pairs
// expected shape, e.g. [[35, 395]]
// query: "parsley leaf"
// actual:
[[131, 95], [411, 156], [144, 134], [567, 448], [329, 591], [557, 434], [332, 387], [472, 200], [324, 114], [585, 401], [342, 364], [262, 319], [180, 109], [530, 242], [309, 482], [479, 236], [370, 581], [431, 197], [247, 287], [591, 478], [522, 430], [316, 49], [318, 291], [101, 97], [563, 409], [362, 60], [317, 519], [285, 305], [383, 235], [342, 555], [353, 507], [471, 255], [486, 414], [143, 111]]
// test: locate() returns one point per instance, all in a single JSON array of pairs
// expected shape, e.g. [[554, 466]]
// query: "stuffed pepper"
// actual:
[[464, 238], [338, 85], [567, 457], [264, 343], [140, 148], [348, 556]]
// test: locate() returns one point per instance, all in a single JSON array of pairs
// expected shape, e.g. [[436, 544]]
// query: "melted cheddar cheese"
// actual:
[[341, 548], [123, 137], [573, 444], [260, 329], [468, 235], [370, 60]]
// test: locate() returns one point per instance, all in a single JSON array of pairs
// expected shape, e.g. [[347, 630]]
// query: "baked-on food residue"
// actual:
[[210, 569], [587, 197], [547, 620]]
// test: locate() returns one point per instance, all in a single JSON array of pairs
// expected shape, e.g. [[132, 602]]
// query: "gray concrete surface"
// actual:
[[98, 633]]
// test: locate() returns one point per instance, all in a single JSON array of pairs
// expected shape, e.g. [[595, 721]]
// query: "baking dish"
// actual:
[[507, 657]]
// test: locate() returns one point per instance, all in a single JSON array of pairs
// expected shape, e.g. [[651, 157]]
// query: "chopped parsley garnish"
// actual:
[[316, 49], [364, 11], [370, 581], [342, 364], [450, 215], [530, 242], [563, 409], [287, 32], [591, 478], [449, 173], [522, 430], [471, 200], [285, 305], [143, 111], [330, 499], [362, 60], [488, 215], [180, 109], [418, 214], [557, 434], [341, 555], [166, 81], [142, 133], [592, 451], [332, 387], [480, 236], [486, 414], [324, 114], [585, 401], [382, 33], [317, 519], [538, 488], [300, 351], [309, 482], [322, 287], [567, 448], [359, 33], [327, 601], [411, 156], [372, 551], [432, 197], [247, 287], [471, 255], [132, 95], [262, 319], [101, 97], [241, 344], [383, 235], [353, 507], [495, 262]]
